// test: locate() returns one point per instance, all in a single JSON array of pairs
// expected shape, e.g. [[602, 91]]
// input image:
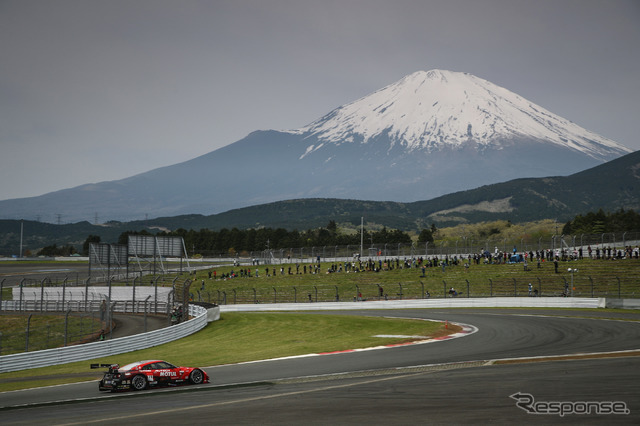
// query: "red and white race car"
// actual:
[[152, 373]]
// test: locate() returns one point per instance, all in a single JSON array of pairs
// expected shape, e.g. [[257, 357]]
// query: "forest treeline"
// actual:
[[237, 240], [600, 222]]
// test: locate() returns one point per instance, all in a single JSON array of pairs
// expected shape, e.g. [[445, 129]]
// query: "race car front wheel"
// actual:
[[196, 377], [139, 382]]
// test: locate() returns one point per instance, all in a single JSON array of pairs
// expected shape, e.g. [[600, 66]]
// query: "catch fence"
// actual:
[[611, 287]]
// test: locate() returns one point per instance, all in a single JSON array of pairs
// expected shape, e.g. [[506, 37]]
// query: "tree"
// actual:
[[90, 239], [54, 250], [426, 236], [332, 228]]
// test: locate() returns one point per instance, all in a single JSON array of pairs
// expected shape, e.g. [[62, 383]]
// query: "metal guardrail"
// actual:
[[124, 306], [56, 356]]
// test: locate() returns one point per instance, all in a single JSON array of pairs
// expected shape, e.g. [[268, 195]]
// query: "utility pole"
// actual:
[[21, 229], [361, 233]]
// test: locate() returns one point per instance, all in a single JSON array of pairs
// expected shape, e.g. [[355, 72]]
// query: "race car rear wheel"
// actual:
[[196, 377], [139, 382]]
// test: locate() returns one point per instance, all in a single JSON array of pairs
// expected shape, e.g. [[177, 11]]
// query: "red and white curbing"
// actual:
[[466, 330]]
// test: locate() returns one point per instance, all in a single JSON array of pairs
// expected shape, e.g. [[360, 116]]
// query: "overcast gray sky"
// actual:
[[95, 90]]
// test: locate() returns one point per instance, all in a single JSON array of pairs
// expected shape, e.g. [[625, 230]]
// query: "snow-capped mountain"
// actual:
[[429, 134], [436, 109]]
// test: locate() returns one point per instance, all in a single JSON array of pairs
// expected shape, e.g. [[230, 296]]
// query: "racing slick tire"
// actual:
[[139, 382], [196, 377]]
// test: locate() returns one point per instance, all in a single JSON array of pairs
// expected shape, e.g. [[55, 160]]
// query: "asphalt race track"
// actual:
[[13, 273], [447, 382]]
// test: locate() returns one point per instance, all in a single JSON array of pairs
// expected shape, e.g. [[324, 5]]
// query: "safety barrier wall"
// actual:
[[488, 302], [105, 348]]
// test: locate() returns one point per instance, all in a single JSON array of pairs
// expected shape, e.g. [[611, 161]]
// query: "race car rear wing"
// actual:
[[109, 366]]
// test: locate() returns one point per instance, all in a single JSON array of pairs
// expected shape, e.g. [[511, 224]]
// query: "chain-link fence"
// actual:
[[613, 287], [37, 331], [603, 245]]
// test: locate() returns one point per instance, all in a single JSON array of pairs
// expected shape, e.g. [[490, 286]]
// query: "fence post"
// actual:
[[295, 294], [255, 297], [145, 312], [26, 340], [42, 293], [133, 296], [86, 292], [445, 288], [591, 280], [337, 295], [64, 288], [275, 297], [1, 285], [155, 291], [619, 294], [539, 286], [66, 326], [21, 292], [111, 308], [468, 289]]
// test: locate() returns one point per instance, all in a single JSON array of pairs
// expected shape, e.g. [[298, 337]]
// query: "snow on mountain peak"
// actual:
[[436, 108]]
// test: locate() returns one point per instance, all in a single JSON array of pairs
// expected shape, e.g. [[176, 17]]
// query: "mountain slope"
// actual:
[[431, 133], [610, 187]]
